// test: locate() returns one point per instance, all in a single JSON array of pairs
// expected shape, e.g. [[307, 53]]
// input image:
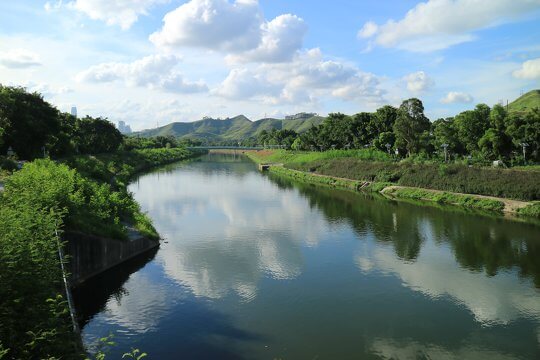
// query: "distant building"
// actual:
[[124, 128], [299, 116], [74, 111]]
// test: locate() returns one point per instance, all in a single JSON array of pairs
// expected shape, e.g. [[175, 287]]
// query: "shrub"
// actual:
[[506, 183]]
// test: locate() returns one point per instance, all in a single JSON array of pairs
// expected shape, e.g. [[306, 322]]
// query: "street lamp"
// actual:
[[388, 146], [524, 145], [445, 147]]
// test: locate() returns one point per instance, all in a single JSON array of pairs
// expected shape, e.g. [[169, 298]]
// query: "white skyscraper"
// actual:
[[74, 111]]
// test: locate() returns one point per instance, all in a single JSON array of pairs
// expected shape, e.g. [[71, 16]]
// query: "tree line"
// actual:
[[33, 128], [483, 133]]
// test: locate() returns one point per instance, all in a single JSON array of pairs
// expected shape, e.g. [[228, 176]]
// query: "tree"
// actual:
[[526, 129], [444, 132], [97, 135], [29, 122], [471, 125], [410, 124], [361, 129]]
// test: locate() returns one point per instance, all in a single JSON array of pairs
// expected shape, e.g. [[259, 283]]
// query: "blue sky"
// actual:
[[151, 62]]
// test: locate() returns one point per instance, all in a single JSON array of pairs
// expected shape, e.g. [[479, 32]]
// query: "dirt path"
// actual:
[[509, 205]]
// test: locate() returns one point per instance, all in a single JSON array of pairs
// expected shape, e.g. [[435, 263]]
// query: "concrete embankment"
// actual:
[[91, 255]]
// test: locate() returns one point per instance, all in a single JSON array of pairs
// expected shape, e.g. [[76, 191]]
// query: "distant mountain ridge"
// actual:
[[236, 128], [240, 127]]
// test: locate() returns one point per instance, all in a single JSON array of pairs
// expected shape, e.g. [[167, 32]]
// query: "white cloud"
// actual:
[[238, 29], [47, 90], [19, 59], [52, 6], [154, 71], [368, 30], [281, 39], [529, 70], [305, 80], [243, 84], [456, 97], [439, 24], [418, 82], [123, 13], [212, 24]]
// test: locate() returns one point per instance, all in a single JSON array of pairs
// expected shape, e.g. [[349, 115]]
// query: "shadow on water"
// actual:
[[91, 297], [479, 243]]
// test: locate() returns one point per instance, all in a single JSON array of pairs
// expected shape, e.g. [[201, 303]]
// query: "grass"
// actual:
[[507, 183], [532, 210], [304, 157], [447, 198], [526, 102], [329, 181]]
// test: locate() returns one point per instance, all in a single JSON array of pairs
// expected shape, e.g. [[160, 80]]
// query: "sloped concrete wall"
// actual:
[[91, 255]]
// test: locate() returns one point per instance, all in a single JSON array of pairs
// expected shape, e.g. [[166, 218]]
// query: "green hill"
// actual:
[[525, 102], [237, 128]]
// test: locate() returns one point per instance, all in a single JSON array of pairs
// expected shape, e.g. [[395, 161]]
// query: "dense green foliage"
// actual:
[[35, 323], [514, 184], [39, 200], [32, 128], [118, 167], [484, 134]]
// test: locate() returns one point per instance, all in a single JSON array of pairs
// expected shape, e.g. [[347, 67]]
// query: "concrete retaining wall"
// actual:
[[91, 255]]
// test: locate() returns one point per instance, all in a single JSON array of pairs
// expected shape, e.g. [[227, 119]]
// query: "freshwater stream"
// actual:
[[260, 267]]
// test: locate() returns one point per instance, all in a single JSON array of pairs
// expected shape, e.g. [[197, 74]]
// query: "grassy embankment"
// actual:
[[41, 201], [371, 170]]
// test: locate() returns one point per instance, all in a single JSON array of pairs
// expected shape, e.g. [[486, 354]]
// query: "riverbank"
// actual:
[[40, 202], [364, 171]]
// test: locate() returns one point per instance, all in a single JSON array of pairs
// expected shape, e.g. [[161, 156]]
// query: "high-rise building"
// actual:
[[74, 111], [123, 127]]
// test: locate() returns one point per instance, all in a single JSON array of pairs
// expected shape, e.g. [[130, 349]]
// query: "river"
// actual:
[[260, 267]]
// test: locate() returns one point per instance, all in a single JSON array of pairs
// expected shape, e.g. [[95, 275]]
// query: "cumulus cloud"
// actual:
[[456, 97], [280, 40], [304, 80], [121, 13], [237, 28], [439, 24], [154, 71], [418, 82], [19, 59], [244, 84], [529, 70]]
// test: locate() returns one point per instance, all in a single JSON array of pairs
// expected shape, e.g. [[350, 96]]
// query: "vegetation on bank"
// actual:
[[512, 184], [342, 169], [118, 168], [304, 157], [467, 201], [85, 192], [531, 210], [40, 201]]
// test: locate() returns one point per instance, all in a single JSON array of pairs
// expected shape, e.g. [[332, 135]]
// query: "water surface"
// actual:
[[260, 267]]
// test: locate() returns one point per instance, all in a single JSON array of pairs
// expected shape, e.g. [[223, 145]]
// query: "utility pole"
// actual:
[[445, 147], [524, 146]]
